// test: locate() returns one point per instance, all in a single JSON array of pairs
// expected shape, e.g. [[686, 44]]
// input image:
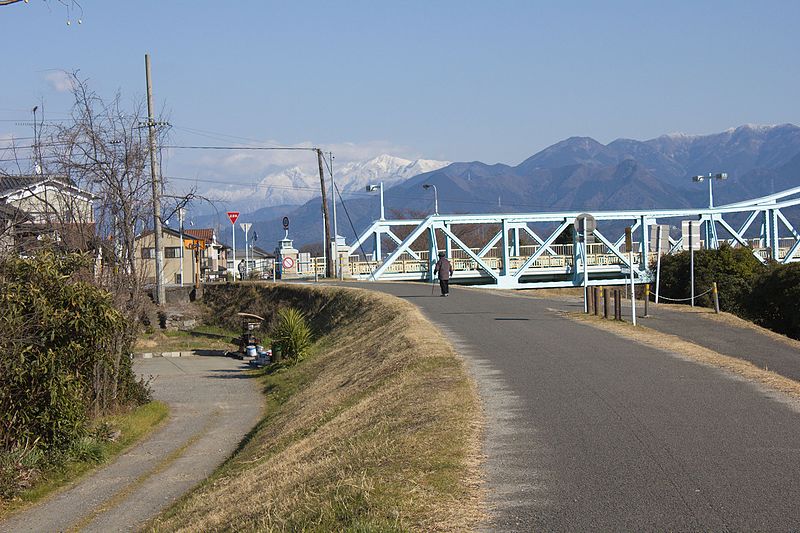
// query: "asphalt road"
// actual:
[[587, 431], [213, 405]]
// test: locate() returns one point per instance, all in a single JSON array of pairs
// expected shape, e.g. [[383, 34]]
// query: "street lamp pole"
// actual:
[[378, 233], [383, 216], [435, 197], [373, 188], [710, 230]]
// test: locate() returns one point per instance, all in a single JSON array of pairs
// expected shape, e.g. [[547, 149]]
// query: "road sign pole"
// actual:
[[629, 245], [633, 289], [232, 216], [658, 260], [584, 225], [585, 275], [246, 227], [691, 259]]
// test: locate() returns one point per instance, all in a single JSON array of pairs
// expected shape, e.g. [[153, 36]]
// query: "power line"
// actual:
[[215, 135], [263, 148]]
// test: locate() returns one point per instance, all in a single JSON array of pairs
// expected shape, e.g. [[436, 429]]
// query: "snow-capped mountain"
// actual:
[[295, 185]]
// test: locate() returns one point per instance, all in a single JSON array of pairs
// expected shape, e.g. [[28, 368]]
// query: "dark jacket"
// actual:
[[443, 268]]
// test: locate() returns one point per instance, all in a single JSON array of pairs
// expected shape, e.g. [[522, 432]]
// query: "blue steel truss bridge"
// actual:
[[527, 250]]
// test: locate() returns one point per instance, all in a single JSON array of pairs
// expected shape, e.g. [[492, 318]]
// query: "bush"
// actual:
[[63, 352], [734, 270], [292, 333], [775, 299]]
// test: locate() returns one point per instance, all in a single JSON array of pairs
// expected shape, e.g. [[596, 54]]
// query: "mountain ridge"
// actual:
[[581, 173]]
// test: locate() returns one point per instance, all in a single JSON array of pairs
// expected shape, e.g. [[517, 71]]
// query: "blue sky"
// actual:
[[494, 81]]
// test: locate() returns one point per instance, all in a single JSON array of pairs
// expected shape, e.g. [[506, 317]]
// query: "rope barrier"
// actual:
[[696, 296]]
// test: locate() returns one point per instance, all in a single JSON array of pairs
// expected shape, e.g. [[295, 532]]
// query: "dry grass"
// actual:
[[378, 431], [676, 345], [561, 292]]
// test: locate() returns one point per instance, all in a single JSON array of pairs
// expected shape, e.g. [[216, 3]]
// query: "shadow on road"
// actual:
[[231, 374]]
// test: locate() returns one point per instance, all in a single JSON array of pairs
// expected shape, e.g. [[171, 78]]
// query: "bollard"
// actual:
[[596, 298], [605, 303], [646, 298], [587, 301], [716, 296], [617, 304]]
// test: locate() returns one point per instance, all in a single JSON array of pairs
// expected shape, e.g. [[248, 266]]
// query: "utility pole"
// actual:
[[337, 269], [180, 223], [154, 174], [330, 264]]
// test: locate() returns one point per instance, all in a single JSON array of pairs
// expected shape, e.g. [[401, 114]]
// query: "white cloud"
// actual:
[[60, 81]]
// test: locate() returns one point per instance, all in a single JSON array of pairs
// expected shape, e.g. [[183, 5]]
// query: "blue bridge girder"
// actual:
[[505, 261]]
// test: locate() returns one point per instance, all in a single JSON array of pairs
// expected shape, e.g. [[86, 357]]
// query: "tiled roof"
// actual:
[[262, 252], [206, 234], [13, 183], [9, 184]]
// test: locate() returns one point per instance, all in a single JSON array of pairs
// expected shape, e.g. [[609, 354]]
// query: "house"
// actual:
[[42, 209], [179, 260], [259, 262]]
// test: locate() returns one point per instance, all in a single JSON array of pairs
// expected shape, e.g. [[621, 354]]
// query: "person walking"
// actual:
[[242, 270], [444, 269]]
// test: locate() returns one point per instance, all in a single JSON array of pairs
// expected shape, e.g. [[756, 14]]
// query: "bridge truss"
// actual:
[[522, 250]]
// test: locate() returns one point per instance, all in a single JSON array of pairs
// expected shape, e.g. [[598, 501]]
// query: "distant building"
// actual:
[[260, 262], [44, 210], [213, 255]]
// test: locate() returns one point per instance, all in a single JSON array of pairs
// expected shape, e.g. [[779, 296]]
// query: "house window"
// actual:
[[171, 252], [148, 253]]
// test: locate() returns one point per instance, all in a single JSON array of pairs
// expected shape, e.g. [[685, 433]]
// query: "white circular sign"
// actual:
[[288, 263]]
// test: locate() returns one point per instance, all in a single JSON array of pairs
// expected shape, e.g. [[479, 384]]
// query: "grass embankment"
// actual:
[[114, 435], [199, 338], [377, 430]]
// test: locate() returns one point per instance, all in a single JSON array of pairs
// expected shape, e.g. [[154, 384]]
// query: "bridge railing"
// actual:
[[358, 268]]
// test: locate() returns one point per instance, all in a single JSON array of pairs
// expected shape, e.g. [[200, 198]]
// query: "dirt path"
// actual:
[[213, 404]]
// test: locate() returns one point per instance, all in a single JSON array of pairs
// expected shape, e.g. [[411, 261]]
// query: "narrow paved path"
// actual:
[[213, 404], [587, 431], [752, 345], [699, 327]]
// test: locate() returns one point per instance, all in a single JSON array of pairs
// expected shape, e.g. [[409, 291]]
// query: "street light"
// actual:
[[373, 188], [711, 230], [711, 177], [435, 197]]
